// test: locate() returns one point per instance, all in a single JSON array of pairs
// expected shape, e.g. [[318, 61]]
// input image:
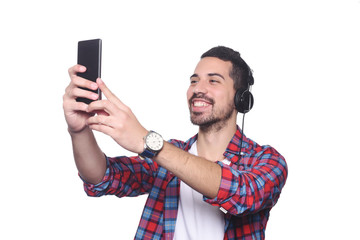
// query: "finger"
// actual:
[[102, 106], [102, 128], [77, 81], [71, 106], [78, 92], [111, 97], [84, 83], [108, 94], [75, 69], [99, 120], [100, 112]]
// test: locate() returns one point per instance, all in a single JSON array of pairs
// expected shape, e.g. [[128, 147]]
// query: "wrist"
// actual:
[[153, 142], [73, 132]]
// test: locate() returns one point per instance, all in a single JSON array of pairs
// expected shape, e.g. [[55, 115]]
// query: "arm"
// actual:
[[238, 192], [89, 159], [121, 124], [124, 176], [119, 176], [202, 175]]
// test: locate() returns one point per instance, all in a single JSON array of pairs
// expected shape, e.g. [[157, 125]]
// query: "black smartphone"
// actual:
[[89, 55]]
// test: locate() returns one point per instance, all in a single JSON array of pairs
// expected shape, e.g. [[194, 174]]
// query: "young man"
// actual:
[[217, 185]]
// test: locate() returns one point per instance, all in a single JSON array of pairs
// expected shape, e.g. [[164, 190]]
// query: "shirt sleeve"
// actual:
[[258, 187], [127, 176], [124, 176]]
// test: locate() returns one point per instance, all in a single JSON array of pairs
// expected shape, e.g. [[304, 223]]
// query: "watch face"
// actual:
[[154, 141]]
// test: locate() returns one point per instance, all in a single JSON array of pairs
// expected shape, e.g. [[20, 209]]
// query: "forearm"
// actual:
[[89, 159], [202, 175]]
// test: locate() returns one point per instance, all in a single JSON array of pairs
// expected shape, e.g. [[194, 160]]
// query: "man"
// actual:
[[217, 185]]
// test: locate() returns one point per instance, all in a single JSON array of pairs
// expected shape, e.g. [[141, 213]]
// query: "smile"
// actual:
[[200, 104]]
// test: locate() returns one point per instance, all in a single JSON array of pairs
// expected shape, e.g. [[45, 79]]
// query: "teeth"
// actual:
[[200, 104]]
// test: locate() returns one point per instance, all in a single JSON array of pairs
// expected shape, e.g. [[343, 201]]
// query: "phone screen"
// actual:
[[89, 55]]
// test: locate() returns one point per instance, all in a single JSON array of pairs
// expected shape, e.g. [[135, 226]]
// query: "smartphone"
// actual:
[[89, 55]]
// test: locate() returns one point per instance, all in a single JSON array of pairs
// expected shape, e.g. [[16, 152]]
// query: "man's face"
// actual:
[[211, 94]]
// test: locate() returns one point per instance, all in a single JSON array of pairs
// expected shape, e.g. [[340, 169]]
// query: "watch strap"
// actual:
[[147, 153]]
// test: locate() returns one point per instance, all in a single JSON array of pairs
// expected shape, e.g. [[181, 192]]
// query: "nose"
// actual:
[[200, 87]]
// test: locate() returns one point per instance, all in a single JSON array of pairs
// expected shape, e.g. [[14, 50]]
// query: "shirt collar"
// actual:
[[233, 149]]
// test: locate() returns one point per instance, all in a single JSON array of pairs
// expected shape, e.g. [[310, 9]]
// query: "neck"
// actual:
[[211, 144]]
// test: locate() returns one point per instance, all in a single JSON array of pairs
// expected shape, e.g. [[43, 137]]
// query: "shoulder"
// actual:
[[257, 153]]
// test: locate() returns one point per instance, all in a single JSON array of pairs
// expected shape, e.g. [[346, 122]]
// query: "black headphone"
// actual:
[[243, 99]]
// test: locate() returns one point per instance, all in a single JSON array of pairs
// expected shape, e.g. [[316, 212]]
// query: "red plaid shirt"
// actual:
[[249, 189]]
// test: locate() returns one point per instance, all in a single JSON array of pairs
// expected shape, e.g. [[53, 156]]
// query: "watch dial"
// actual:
[[154, 141]]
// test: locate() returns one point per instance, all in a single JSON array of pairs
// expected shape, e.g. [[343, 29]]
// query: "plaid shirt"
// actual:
[[248, 190]]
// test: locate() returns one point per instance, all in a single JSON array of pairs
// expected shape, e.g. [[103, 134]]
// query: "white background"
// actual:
[[305, 56]]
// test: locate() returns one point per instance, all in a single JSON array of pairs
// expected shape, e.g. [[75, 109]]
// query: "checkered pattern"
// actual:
[[249, 189]]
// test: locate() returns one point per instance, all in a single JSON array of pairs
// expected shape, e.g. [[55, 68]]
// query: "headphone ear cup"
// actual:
[[244, 101], [237, 101]]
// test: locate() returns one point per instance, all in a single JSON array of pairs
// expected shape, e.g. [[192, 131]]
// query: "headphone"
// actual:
[[243, 99]]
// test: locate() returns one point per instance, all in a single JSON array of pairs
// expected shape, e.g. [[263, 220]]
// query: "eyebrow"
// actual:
[[209, 74]]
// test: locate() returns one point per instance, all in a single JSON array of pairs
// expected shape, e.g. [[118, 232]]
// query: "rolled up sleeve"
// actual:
[[124, 176], [254, 188]]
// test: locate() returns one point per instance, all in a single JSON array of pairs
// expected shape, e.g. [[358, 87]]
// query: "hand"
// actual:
[[117, 121], [76, 112]]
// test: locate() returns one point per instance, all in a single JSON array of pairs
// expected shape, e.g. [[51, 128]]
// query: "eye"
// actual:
[[193, 81], [213, 81]]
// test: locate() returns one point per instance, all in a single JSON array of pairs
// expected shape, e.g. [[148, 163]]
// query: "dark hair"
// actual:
[[240, 71]]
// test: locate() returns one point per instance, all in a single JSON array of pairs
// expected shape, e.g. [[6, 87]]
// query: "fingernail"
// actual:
[[82, 68], [100, 80]]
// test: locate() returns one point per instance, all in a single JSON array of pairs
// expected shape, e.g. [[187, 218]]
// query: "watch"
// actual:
[[153, 143]]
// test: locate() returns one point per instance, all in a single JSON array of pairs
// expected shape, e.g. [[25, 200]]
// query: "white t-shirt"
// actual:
[[197, 219]]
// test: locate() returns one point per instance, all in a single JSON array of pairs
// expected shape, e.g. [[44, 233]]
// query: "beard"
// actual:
[[216, 120]]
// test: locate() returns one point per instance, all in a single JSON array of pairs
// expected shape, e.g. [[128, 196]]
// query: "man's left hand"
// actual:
[[116, 120]]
